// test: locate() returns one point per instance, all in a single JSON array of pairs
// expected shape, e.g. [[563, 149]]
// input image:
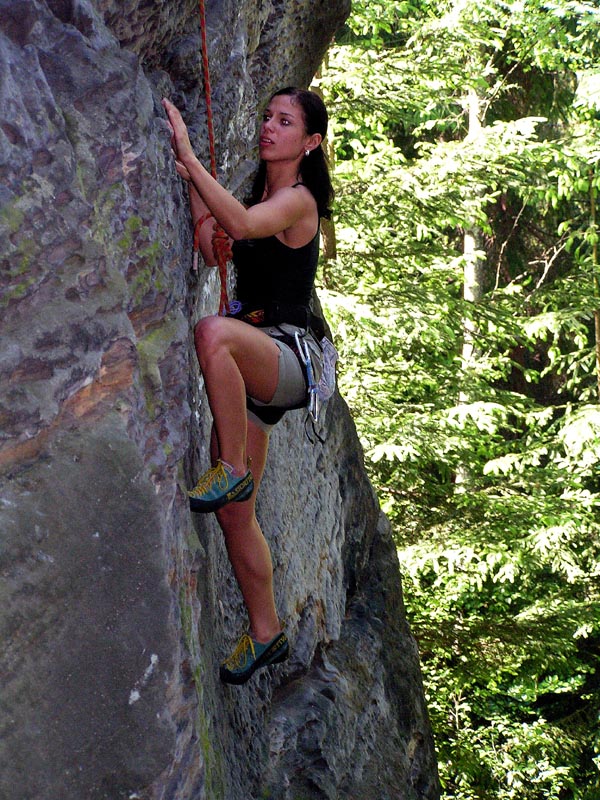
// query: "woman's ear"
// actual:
[[313, 141]]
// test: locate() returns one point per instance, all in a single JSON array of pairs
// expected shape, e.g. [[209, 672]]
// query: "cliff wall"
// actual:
[[116, 604]]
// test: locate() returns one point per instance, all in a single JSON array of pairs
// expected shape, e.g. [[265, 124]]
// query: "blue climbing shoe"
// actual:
[[218, 486], [250, 655]]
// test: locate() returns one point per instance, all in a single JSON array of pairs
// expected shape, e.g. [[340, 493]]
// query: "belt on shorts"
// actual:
[[281, 313]]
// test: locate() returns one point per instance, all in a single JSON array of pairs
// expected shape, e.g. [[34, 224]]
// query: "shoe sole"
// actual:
[[278, 652], [240, 492]]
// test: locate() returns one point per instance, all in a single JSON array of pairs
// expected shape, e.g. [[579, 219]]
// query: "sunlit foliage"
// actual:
[[489, 470]]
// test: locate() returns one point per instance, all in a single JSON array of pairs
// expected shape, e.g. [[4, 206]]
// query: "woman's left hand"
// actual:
[[182, 170], [180, 140]]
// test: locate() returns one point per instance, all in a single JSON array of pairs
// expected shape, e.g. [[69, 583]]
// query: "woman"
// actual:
[[251, 371]]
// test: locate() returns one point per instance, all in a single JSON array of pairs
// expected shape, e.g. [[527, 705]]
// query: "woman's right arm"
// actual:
[[199, 212]]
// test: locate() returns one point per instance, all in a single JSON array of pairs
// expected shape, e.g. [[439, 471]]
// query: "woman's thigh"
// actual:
[[254, 352]]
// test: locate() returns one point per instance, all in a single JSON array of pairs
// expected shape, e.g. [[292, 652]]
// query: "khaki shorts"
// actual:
[[290, 391]]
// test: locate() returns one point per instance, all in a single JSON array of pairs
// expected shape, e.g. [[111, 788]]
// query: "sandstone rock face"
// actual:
[[117, 605]]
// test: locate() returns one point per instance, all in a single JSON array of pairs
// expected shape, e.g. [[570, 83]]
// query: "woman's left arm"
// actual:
[[266, 219]]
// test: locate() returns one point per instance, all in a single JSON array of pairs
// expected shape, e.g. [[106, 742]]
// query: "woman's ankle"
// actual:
[[238, 469], [263, 635]]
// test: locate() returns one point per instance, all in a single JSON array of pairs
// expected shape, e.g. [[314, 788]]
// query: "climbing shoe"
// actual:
[[218, 486], [250, 655]]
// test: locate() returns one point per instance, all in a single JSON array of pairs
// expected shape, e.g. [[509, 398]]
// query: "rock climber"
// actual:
[[252, 370]]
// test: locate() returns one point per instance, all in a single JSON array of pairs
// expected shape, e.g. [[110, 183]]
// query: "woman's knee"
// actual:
[[210, 335]]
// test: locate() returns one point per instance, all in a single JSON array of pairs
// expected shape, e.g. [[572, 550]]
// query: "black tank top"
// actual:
[[270, 271]]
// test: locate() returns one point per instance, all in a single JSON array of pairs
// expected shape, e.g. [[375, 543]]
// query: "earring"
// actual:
[[307, 153]]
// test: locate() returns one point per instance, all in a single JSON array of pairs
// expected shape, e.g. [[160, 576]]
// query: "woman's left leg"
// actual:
[[236, 360], [250, 558], [247, 548]]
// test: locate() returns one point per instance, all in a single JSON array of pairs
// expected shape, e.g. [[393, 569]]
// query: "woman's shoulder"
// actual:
[[297, 193]]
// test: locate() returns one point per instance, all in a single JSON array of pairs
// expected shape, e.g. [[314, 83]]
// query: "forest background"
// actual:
[[461, 279]]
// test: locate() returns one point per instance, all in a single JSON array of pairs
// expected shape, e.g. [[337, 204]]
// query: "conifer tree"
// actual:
[[501, 577]]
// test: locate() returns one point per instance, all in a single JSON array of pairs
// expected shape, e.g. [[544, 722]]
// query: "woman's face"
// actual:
[[283, 133]]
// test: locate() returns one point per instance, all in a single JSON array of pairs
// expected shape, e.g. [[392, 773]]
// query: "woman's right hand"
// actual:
[[180, 140]]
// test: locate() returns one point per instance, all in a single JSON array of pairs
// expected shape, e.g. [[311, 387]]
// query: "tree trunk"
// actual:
[[473, 278], [596, 281], [474, 269]]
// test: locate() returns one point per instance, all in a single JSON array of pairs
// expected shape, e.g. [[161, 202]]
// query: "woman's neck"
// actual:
[[280, 175]]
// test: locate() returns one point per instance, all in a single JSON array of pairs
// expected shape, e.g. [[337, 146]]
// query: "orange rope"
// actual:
[[220, 240]]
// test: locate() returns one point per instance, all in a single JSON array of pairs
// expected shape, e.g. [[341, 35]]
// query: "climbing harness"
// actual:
[[319, 366], [316, 354], [306, 359], [220, 240]]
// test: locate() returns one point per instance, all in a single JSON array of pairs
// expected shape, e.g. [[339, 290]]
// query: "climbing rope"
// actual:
[[220, 240]]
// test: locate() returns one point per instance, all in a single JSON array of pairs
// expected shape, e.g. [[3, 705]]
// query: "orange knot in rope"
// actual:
[[221, 244], [222, 251]]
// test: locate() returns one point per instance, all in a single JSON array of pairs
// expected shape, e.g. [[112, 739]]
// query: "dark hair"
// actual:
[[314, 169]]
